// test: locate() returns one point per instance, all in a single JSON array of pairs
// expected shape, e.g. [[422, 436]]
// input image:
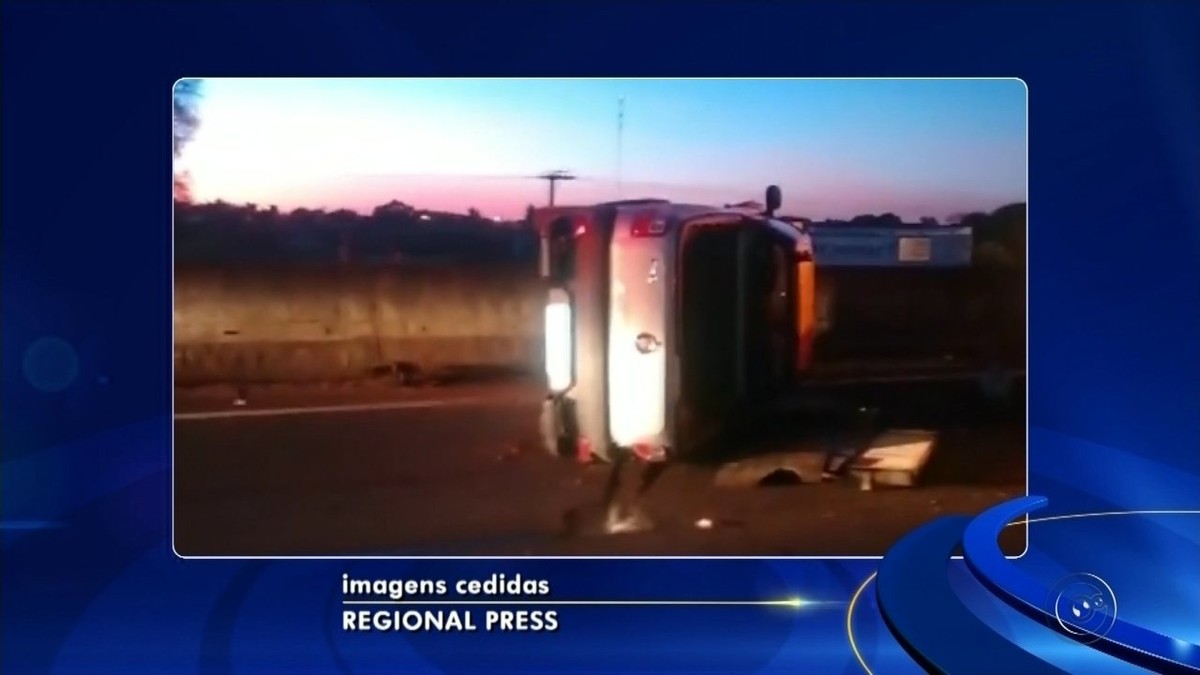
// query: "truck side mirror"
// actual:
[[774, 199]]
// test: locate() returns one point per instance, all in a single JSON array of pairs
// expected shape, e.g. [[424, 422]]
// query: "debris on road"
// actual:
[[509, 453], [627, 520], [894, 458], [773, 469]]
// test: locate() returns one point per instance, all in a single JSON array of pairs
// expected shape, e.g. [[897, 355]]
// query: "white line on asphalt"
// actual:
[[316, 410]]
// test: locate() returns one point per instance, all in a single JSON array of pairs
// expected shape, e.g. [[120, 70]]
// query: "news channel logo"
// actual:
[[1083, 607]]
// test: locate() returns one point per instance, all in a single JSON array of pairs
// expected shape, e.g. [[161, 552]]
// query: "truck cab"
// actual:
[[661, 315]]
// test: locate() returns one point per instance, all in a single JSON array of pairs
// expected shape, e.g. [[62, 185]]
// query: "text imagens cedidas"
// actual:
[[399, 589]]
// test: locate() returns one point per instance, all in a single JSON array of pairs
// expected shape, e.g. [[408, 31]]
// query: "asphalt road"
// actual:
[[457, 472]]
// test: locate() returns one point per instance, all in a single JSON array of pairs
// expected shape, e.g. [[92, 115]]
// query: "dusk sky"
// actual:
[[838, 148]]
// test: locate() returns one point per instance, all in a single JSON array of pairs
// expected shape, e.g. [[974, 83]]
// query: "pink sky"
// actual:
[[508, 198], [837, 148]]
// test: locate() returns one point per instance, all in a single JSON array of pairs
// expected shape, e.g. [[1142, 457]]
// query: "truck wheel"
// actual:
[[550, 429], [559, 435]]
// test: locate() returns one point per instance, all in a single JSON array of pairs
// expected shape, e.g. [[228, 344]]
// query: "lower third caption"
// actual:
[[378, 605]]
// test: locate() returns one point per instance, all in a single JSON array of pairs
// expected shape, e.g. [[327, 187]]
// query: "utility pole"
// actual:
[[552, 177]]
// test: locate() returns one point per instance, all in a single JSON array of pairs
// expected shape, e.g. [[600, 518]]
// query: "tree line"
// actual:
[[396, 233], [221, 233]]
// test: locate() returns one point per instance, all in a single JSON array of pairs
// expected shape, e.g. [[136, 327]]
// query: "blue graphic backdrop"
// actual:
[[90, 584]]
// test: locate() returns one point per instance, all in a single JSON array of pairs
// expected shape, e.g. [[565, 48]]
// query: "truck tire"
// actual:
[[550, 428]]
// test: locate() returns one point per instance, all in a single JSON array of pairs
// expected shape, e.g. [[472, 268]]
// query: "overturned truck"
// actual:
[[667, 323]]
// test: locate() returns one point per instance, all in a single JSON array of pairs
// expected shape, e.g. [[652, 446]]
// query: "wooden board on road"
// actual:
[[896, 457]]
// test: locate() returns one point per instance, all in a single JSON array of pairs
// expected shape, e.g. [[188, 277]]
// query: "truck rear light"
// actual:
[[583, 451], [648, 224], [560, 345]]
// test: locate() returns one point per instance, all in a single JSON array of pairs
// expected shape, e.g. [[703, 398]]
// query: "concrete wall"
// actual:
[[337, 323], [333, 323]]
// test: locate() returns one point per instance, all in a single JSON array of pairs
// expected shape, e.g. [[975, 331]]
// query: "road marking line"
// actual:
[[316, 410]]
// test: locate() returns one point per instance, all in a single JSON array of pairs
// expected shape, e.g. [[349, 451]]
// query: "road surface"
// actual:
[[457, 472]]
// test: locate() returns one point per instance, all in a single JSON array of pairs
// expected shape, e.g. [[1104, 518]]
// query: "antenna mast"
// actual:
[[620, 139]]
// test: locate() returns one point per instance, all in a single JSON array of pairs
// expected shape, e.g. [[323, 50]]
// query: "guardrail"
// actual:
[[320, 323]]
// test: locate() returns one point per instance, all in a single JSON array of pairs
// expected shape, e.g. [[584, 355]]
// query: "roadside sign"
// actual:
[[850, 246]]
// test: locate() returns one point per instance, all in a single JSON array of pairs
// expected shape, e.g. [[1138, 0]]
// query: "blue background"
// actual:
[[89, 580]]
